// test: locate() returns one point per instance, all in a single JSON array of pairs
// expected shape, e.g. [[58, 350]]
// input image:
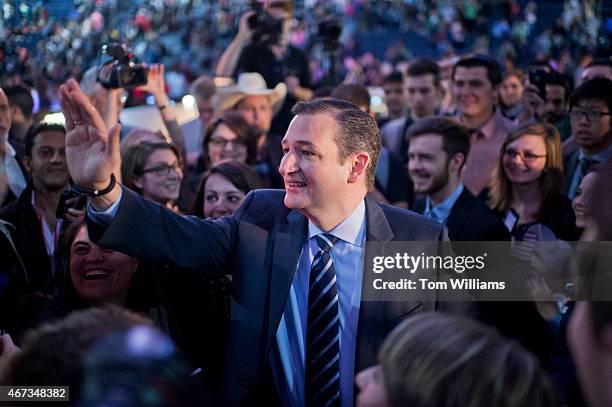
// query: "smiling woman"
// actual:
[[154, 170]]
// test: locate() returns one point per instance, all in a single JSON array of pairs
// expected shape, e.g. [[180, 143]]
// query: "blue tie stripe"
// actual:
[[323, 329]]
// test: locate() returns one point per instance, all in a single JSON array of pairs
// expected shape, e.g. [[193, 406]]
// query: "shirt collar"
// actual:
[[487, 129], [351, 229], [443, 209], [601, 157], [10, 151]]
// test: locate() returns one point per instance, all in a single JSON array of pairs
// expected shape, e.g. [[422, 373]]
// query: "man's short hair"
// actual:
[[20, 96], [358, 131], [599, 89], [353, 93], [394, 77], [556, 78], [424, 66], [34, 131], [204, 87], [455, 137], [494, 73]]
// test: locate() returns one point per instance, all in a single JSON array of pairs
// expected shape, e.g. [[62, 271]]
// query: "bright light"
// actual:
[[188, 101], [376, 100], [54, 118]]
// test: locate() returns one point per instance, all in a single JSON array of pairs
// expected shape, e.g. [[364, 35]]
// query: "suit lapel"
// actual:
[[287, 246], [459, 215]]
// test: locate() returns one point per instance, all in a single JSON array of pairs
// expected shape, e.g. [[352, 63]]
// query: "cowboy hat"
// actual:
[[250, 84]]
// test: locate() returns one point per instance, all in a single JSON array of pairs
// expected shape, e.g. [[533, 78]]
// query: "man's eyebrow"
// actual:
[[302, 142]]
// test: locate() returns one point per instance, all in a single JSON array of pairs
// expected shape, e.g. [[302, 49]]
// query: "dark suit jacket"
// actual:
[[261, 245], [471, 220], [570, 166]]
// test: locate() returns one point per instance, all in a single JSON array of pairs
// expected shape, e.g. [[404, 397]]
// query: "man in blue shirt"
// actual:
[[438, 149], [300, 328]]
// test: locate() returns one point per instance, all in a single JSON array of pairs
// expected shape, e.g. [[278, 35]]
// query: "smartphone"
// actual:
[[537, 77], [62, 206]]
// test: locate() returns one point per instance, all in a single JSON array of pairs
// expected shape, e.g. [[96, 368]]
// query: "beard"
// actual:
[[438, 181]]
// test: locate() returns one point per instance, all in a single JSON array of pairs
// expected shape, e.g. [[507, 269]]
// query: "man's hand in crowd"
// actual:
[[92, 152], [244, 31], [294, 89], [533, 104]]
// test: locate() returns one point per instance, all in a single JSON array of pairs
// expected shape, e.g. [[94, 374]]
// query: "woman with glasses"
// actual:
[[526, 188], [229, 137], [154, 171]]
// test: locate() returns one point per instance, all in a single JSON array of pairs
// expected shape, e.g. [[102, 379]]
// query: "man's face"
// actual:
[[556, 103], [427, 163], [587, 355], [473, 93], [205, 109], [597, 71], [313, 175], [423, 95], [257, 111], [395, 97], [47, 165], [5, 116], [591, 133]]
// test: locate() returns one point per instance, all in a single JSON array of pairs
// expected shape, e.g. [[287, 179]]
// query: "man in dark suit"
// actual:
[[300, 328], [438, 149], [591, 119]]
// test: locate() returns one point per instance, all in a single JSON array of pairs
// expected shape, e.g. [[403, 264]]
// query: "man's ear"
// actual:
[[359, 164], [456, 162], [27, 163]]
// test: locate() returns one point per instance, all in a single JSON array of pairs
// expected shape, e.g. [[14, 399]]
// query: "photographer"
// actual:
[[262, 45]]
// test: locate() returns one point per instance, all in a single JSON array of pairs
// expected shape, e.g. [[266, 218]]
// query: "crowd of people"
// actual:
[[137, 269]]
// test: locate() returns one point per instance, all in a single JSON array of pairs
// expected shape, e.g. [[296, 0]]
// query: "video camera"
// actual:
[[267, 29], [121, 71], [329, 32]]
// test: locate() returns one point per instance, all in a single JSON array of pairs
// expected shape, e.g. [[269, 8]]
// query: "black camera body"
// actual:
[[267, 29], [329, 32], [122, 71]]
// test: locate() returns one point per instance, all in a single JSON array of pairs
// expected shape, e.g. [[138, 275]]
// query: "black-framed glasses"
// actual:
[[221, 142], [526, 156], [591, 115], [162, 169]]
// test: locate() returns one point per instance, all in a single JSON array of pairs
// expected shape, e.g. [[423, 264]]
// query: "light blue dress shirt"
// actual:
[[441, 212], [288, 359]]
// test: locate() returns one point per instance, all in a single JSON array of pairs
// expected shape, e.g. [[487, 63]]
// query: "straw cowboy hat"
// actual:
[[250, 84]]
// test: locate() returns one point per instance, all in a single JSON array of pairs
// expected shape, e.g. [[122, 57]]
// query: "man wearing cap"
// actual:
[[258, 105], [271, 55]]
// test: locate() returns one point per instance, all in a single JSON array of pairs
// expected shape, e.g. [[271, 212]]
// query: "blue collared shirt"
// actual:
[[288, 359], [441, 212], [601, 157]]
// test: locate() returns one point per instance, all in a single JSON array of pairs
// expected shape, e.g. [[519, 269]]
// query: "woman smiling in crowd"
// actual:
[[154, 170]]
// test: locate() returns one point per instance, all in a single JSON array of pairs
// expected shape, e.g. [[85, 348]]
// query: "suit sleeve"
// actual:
[[146, 230]]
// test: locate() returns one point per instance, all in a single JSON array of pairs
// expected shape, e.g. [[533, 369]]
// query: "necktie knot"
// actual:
[[585, 164], [326, 241]]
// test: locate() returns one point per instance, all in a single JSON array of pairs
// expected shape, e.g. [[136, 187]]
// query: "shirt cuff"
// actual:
[[104, 218]]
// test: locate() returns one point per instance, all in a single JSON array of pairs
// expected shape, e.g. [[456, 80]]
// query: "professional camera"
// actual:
[[329, 32], [267, 29], [121, 71]]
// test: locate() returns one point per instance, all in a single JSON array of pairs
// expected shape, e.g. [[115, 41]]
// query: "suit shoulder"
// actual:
[[393, 126], [263, 206], [421, 228]]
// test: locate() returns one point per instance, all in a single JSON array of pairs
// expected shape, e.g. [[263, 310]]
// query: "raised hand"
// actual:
[[92, 152], [156, 85]]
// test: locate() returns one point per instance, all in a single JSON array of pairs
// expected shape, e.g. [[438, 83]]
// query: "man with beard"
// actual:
[[590, 111], [438, 149]]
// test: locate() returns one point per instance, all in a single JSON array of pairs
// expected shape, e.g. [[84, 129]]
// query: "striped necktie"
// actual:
[[323, 329]]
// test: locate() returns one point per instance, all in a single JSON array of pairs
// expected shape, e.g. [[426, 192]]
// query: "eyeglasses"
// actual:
[[591, 115], [526, 156], [162, 170], [221, 142]]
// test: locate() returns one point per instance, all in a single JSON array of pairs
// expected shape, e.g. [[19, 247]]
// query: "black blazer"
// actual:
[[570, 166], [260, 245], [471, 220]]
